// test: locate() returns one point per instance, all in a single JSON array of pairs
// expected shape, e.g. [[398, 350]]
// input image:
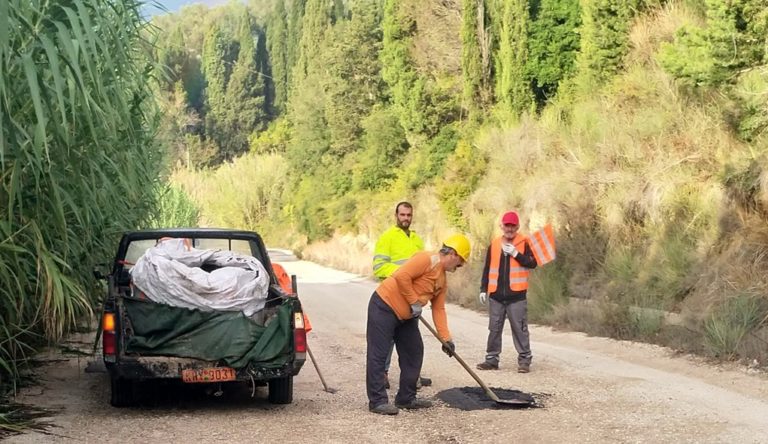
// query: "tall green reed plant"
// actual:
[[77, 158]]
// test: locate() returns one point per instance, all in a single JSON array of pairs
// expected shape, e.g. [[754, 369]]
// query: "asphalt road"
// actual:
[[589, 389]]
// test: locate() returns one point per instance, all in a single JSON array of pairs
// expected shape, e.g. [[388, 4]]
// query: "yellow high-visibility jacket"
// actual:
[[393, 248]]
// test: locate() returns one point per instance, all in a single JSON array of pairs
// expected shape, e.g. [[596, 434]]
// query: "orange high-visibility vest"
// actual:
[[287, 285], [518, 275], [282, 278]]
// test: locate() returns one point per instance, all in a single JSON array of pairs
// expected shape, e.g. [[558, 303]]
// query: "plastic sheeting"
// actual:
[[239, 341], [170, 273]]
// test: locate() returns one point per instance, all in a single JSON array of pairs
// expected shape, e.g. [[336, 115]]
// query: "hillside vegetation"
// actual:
[[638, 129]]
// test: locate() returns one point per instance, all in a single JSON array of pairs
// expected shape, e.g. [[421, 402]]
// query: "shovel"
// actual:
[[294, 287], [314, 362], [488, 391]]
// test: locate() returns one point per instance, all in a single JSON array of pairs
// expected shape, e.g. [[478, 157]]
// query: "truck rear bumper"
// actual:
[[166, 367]]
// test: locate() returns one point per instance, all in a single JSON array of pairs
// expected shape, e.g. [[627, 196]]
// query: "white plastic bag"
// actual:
[[170, 273]]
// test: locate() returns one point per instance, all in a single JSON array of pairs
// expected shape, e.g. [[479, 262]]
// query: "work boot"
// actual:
[[415, 403], [386, 380], [384, 409], [485, 365], [524, 368]]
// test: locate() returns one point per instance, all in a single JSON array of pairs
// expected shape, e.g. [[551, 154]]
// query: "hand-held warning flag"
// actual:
[[543, 245]]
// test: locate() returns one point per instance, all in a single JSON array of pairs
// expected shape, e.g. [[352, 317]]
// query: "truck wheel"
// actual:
[[122, 392], [281, 390]]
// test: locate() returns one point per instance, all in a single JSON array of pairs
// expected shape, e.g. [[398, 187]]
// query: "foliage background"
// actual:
[[637, 128]]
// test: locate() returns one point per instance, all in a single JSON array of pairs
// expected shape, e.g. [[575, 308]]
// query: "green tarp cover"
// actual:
[[162, 330]]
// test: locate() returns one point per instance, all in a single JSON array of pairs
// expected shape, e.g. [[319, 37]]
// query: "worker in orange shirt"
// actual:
[[393, 313]]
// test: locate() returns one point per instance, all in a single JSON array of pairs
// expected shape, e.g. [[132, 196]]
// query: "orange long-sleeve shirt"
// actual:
[[422, 280]]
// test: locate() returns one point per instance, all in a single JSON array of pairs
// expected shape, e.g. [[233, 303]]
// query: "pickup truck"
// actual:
[[143, 340]]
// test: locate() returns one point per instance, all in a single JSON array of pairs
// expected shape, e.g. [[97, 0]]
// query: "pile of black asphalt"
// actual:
[[475, 398]]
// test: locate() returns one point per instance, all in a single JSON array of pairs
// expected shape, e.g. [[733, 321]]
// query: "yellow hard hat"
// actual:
[[460, 243]]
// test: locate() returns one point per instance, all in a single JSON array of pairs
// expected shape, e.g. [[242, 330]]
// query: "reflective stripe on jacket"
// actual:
[[518, 275], [393, 249]]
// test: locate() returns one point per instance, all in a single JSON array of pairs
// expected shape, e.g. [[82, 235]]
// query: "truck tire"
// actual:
[[122, 392], [281, 390]]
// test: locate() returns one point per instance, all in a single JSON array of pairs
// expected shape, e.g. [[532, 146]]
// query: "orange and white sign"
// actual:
[[543, 245]]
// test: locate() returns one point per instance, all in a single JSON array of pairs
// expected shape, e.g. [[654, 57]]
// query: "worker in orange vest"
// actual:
[[504, 287]]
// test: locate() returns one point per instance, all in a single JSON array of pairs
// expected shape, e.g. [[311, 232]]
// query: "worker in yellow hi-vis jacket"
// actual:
[[397, 244], [394, 247]]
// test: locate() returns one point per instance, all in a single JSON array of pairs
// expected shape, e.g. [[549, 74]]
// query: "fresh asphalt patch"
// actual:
[[475, 398]]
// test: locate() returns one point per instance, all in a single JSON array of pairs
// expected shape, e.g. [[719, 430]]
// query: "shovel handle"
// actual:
[[312, 358], [463, 364]]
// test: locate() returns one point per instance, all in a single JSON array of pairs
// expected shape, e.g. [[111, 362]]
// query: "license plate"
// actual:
[[215, 374]]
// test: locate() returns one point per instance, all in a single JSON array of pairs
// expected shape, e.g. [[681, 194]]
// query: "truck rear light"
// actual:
[[300, 340], [108, 322], [108, 337], [109, 343]]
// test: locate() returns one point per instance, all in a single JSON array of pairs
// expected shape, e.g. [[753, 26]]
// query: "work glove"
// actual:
[[509, 249], [415, 310], [448, 348], [483, 297]]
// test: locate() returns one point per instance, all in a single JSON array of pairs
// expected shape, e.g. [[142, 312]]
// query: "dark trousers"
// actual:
[[517, 313], [384, 327]]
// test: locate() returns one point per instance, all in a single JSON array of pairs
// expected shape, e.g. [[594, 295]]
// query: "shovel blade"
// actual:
[[514, 402]]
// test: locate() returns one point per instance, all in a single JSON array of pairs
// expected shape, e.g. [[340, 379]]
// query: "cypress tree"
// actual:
[[277, 44], [512, 85], [293, 37], [604, 38], [354, 85], [245, 94], [553, 44], [265, 70], [315, 23], [310, 138], [406, 88], [471, 62], [215, 55]]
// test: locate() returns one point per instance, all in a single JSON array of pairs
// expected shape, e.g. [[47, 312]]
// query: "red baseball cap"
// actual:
[[510, 218]]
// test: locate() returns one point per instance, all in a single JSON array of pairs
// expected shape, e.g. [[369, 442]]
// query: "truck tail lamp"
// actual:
[[299, 334], [108, 339]]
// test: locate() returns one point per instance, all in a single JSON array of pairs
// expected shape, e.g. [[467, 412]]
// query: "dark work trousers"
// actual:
[[517, 313], [384, 327]]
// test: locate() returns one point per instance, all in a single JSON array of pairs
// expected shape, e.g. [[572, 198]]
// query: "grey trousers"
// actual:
[[383, 327], [517, 313]]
